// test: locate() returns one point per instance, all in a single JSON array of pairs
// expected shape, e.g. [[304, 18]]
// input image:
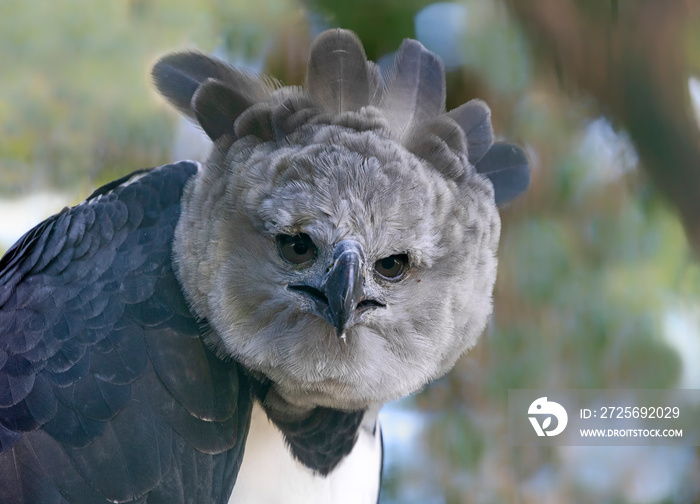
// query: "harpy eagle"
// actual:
[[228, 332]]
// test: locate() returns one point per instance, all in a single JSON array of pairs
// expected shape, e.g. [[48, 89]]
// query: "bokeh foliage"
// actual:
[[592, 264], [76, 103]]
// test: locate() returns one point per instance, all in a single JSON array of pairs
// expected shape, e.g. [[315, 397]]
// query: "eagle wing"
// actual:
[[107, 391]]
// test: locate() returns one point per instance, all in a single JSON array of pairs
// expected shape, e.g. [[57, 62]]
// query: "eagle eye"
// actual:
[[392, 267], [296, 249]]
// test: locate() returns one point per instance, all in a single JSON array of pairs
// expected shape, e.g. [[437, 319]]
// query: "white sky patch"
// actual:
[[190, 142], [681, 331], [19, 215], [694, 89], [608, 154], [401, 430]]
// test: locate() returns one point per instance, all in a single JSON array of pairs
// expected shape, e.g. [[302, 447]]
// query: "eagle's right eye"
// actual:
[[392, 267], [296, 249]]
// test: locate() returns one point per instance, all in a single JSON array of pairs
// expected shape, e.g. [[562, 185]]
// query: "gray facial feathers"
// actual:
[[300, 172]]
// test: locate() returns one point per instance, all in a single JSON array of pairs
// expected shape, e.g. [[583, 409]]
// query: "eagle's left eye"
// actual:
[[392, 267], [296, 249]]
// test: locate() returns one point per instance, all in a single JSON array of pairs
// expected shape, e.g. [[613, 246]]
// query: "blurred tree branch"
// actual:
[[632, 58]]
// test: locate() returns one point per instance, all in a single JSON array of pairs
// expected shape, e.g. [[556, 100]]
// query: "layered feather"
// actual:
[[342, 88], [337, 76], [415, 89]]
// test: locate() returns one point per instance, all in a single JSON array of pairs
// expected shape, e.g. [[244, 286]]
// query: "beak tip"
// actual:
[[344, 286]]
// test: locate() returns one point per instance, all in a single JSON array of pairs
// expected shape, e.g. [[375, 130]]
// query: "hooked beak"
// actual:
[[344, 284], [342, 296]]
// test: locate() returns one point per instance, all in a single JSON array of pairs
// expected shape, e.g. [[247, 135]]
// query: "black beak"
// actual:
[[344, 284], [341, 297]]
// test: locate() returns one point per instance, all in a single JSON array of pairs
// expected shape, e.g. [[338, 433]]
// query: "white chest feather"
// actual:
[[270, 474]]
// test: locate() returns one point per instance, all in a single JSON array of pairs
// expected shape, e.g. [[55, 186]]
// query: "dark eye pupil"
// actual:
[[300, 248], [388, 263], [296, 249], [392, 267]]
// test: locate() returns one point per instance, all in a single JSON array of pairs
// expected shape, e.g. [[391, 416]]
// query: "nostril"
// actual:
[[369, 303], [311, 291], [318, 295]]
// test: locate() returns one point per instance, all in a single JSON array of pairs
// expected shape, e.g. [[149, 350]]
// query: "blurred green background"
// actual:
[[598, 286]]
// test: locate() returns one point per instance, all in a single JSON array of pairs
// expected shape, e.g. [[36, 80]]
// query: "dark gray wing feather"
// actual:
[[107, 392]]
